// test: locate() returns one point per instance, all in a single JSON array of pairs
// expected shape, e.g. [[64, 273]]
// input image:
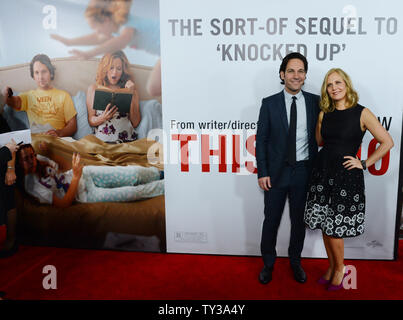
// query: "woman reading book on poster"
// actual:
[[110, 124]]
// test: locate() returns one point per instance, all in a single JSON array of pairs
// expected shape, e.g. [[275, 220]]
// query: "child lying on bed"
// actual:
[[42, 179]]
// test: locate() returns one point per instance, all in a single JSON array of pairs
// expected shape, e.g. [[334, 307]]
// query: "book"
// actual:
[[121, 98], [19, 136]]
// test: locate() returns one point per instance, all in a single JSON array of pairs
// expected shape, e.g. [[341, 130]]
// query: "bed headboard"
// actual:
[[71, 74]]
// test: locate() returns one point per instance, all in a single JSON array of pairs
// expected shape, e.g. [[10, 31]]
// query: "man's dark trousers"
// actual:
[[292, 183]]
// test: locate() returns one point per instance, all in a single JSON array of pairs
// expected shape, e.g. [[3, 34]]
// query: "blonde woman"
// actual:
[[336, 198], [110, 125]]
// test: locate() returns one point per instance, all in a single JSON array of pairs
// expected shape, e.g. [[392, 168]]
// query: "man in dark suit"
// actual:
[[285, 149]]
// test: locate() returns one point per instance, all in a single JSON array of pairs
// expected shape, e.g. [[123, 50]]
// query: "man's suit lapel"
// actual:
[[282, 110], [309, 115]]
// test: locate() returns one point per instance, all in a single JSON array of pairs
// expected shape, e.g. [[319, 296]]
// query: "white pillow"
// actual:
[[151, 117], [16, 120], [83, 127]]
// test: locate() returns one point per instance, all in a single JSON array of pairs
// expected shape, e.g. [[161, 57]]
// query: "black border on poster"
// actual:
[[399, 198]]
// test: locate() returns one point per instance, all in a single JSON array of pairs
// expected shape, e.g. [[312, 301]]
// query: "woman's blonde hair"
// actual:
[[116, 10], [106, 63], [326, 103]]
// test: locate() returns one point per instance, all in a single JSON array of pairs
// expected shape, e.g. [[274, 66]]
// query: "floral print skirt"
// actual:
[[336, 199], [117, 129]]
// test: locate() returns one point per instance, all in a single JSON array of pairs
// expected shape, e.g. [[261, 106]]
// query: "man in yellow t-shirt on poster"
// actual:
[[45, 105]]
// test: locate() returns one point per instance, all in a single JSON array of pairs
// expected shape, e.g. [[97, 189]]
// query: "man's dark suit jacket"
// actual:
[[272, 132]]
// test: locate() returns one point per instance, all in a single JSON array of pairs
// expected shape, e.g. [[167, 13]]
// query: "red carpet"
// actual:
[[95, 274]]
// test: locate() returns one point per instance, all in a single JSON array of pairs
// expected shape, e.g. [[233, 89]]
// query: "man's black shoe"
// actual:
[[265, 275], [299, 273]]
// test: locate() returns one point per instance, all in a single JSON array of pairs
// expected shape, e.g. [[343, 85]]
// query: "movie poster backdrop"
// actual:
[[219, 59], [30, 27]]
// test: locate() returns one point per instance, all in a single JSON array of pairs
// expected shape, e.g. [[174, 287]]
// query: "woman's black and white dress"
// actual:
[[336, 196], [6, 192]]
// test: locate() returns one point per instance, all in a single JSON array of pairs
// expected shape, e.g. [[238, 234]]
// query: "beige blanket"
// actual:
[[93, 151]]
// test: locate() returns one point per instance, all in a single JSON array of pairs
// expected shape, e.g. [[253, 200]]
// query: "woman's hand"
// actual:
[[63, 40], [10, 177], [352, 163], [43, 147], [77, 166], [10, 173], [134, 114], [79, 54], [12, 146], [69, 196], [109, 112], [130, 85]]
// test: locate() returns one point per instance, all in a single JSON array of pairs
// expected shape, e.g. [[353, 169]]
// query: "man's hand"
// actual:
[[10, 99], [265, 183], [52, 133], [4, 91]]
